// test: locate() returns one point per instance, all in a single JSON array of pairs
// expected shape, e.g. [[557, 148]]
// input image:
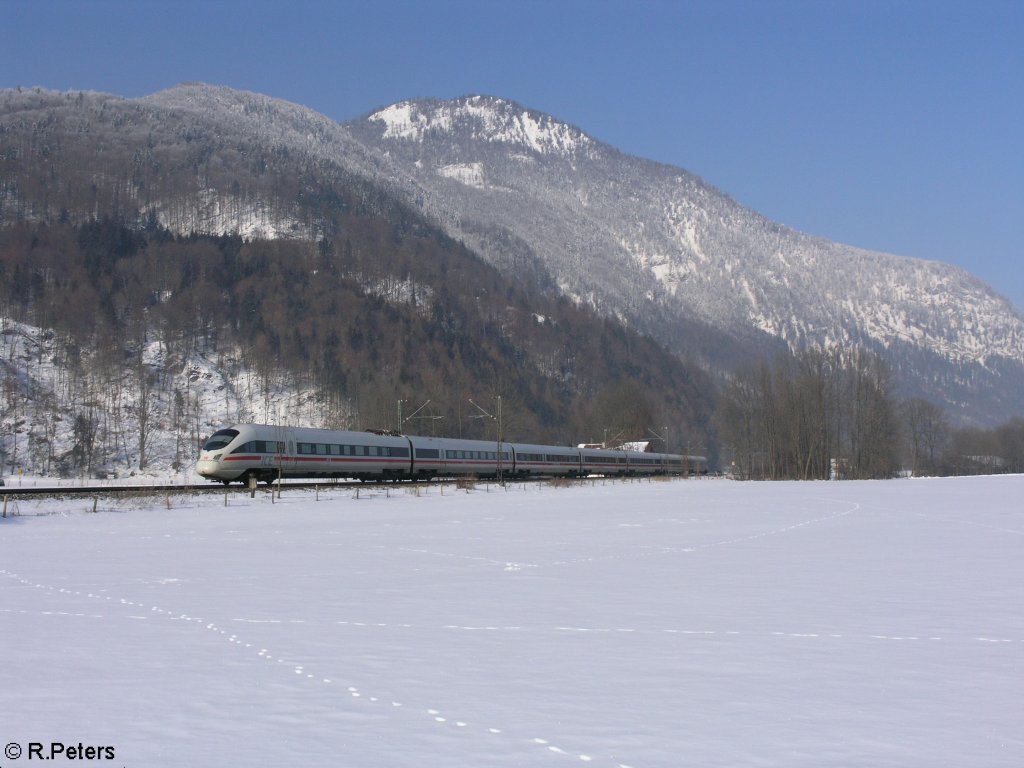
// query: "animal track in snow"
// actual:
[[299, 670]]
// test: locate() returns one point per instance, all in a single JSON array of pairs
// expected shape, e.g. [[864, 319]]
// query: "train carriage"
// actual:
[[600, 461], [320, 453], [533, 459], [479, 458], [644, 463]]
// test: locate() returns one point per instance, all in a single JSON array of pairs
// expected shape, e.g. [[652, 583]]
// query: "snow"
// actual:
[[470, 174], [492, 120], [220, 213], [696, 622]]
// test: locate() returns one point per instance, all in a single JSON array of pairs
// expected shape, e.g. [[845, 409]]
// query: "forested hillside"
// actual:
[[357, 323]]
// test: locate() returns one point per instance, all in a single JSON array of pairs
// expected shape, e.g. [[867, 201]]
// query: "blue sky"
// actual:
[[892, 125]]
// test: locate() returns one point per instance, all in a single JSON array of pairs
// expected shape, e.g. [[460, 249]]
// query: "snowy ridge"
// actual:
[[482, 118]]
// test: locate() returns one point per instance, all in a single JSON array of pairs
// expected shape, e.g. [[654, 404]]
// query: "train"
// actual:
[[266, 453]]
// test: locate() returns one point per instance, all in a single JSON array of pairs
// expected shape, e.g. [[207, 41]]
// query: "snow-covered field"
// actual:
[[684, 623]]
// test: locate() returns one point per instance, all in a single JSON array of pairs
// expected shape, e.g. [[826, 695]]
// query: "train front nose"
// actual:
[[207, 465]]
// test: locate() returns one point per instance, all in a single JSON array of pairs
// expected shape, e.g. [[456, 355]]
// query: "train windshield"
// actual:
[[220, 438]]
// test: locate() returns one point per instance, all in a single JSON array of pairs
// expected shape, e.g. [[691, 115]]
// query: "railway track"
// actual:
[[113, 491], [208, 487]]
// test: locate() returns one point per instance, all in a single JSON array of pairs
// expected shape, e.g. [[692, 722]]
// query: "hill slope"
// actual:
[[645, 243], [657, 246]]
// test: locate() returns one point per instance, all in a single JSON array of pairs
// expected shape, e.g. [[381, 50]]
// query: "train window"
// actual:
[[220, 438], [427, 453], [400, 452], [359, 450]]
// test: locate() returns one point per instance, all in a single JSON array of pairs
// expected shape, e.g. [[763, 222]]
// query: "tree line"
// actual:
[[833, 414]]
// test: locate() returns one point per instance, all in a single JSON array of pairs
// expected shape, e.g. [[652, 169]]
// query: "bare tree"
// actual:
[[927, 433]]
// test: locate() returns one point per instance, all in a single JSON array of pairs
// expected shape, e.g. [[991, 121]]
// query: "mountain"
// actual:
[[669, 254], [203, 256], [550, 207]]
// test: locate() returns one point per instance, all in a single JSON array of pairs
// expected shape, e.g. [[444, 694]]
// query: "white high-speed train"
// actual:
[[236, 453]]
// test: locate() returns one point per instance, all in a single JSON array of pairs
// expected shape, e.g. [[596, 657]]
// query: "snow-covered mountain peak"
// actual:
[[481, 118]]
